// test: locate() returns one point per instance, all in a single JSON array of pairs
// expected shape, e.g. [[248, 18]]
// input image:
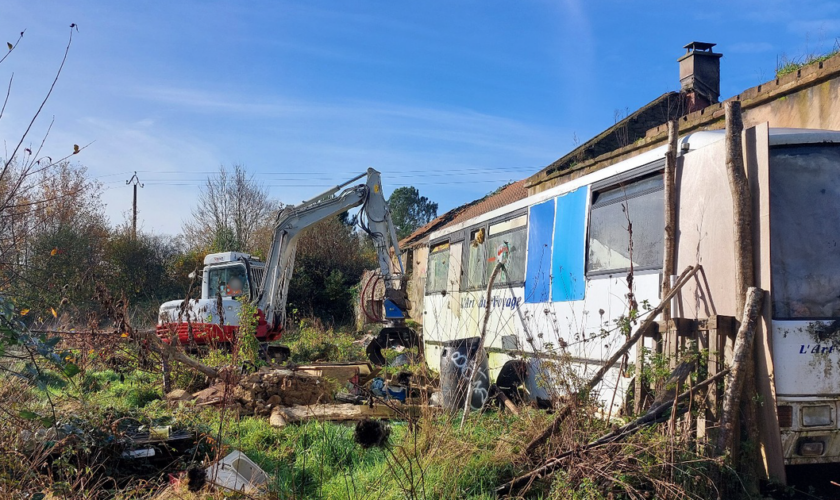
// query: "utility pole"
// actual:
[[136, 182]]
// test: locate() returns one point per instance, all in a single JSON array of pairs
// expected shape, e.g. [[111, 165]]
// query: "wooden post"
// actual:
[[670, 196], [742, 358], [739, 187], [756, 155], [136, 181], [742, 212], [480, 350]]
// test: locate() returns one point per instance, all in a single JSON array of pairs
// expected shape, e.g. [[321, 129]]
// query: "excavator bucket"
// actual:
[[389, 338]]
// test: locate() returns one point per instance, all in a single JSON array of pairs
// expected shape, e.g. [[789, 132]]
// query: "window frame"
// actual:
[[247, 285], [438, 243], [465, 256], [645, 172]]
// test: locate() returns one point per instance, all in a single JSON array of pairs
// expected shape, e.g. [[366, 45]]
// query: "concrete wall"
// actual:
[[814, 107]]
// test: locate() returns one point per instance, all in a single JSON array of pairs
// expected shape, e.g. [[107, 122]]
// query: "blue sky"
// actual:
[[454, 97]]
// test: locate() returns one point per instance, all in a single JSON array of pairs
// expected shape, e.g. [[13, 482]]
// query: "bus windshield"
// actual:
[[805, 231]]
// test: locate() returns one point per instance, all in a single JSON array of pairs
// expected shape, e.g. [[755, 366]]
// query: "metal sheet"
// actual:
[[567, 267], [538, 273]]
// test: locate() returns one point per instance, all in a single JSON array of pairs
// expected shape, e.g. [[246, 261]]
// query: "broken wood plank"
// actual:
[[654, 415], [741, 358], [507, 402], [339, 373]]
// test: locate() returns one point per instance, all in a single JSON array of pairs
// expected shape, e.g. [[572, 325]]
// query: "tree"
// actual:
[[143, 270], [409, 210], [60, 241], [328, 263], [22, 189], [233, 213]]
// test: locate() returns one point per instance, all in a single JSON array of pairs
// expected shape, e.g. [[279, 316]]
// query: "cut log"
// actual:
[[340, 413], [740, 360]]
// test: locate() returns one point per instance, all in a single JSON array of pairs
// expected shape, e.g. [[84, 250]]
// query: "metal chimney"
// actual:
[[700, 71]]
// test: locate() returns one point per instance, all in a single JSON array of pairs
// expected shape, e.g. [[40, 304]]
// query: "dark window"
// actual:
[[640, 203], [804, 231]]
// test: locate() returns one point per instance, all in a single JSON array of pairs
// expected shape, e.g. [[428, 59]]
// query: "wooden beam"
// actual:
[[741, 359]]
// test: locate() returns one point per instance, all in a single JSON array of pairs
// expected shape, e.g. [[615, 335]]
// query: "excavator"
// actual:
[[229, 278]]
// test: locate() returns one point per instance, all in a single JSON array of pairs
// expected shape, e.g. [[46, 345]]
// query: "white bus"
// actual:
[[568, 256]]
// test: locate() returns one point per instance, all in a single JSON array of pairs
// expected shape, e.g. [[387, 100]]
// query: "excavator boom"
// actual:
[[292, 220]]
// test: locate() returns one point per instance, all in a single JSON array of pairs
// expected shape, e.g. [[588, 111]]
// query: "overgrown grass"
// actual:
[[787, 66], [311, 342], [429, 458], [321, 459]]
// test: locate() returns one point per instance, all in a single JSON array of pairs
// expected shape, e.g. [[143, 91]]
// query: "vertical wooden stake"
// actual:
[[742, 357], [739, 187], [480, 351], [670, 195]]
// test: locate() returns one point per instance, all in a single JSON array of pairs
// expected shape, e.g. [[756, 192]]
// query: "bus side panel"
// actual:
[[704, 235]]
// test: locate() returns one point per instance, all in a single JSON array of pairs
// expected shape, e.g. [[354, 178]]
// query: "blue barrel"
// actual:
[[456, 363]]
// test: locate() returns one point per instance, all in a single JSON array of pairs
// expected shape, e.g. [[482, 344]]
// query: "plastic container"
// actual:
[[456, 363]]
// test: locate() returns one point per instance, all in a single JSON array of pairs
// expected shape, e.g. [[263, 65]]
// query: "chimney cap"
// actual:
[[701, 46]]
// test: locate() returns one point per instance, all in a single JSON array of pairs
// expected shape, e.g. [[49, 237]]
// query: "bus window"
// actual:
[[437, 273], [640, 202], [805, 231], [507, 241], [474, 277]]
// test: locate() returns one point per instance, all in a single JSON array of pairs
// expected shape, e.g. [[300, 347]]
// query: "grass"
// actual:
[[320, 459], [312, 342], [431, 458], [787, 66]]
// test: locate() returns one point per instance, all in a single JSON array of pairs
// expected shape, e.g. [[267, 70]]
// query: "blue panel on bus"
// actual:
[[568, 281], [538, 274]]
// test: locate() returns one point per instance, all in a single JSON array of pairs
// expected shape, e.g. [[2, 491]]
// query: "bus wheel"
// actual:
[[511, 377]]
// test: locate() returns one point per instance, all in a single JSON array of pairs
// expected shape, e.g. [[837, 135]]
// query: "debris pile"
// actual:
[[270, 388]]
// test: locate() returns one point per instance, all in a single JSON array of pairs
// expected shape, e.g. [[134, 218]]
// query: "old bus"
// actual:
[[556, 307]]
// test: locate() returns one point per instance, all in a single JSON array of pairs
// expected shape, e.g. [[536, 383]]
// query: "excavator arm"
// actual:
[[374, 219]]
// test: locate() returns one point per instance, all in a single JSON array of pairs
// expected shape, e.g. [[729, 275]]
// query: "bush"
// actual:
[[312, 342]]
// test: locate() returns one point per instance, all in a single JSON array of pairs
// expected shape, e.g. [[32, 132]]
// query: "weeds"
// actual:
[[312, 342], [785, 66]]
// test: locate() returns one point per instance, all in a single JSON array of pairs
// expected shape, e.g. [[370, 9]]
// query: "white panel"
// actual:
[[805, 364]]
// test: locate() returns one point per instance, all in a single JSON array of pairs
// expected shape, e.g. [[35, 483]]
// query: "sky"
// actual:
[[453, 97]]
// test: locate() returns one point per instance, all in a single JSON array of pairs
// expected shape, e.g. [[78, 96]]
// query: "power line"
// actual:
[[328, 184]]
